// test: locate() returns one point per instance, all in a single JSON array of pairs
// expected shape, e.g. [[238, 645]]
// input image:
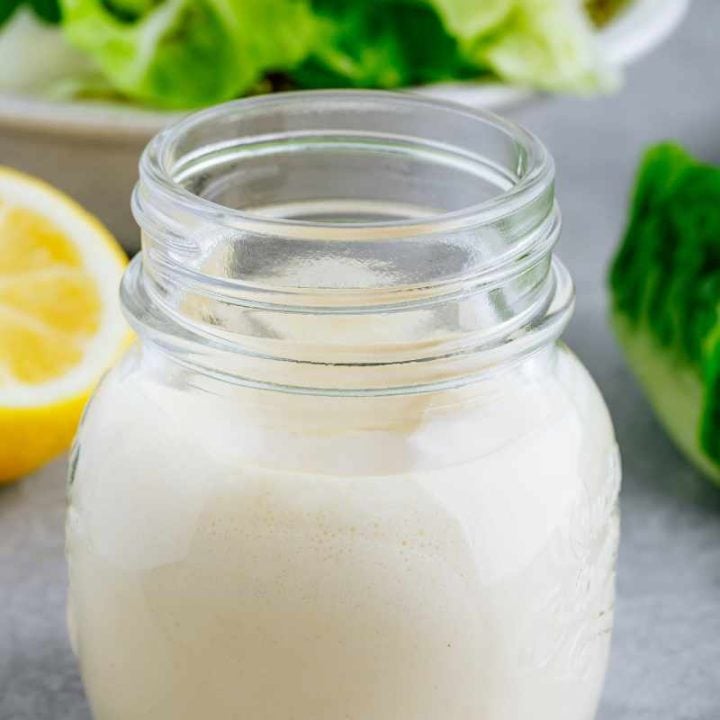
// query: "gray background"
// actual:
[[665, 663]]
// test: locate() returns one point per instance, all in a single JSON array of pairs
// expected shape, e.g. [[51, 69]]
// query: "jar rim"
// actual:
[[533, 178]]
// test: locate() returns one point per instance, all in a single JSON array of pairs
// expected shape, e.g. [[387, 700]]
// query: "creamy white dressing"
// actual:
[[251, 554]]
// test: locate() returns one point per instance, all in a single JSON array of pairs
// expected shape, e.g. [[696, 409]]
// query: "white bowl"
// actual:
[[90, 149]]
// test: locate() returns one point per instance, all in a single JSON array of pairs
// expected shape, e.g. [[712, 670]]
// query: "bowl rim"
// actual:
[[638, 29]]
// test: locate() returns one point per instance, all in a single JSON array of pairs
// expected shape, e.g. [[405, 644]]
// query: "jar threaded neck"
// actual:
[[346, 229]]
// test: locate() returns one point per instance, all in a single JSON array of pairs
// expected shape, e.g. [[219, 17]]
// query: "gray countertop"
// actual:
[[665, 663]]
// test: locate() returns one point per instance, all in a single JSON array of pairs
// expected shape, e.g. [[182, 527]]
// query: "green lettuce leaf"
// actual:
[[665, 285], [544, 44], [187, 53], [384, 44]]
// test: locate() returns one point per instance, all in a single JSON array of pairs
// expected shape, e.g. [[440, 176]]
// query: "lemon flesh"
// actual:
[[60, 323]]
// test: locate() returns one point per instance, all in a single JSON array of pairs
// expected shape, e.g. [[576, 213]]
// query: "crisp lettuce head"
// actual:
[[665, 285], [185, 53]]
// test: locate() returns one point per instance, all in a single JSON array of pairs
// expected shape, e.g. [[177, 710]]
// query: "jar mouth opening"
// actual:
[[281, 124]]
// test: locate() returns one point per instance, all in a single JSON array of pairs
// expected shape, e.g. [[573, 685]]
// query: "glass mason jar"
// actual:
[[347, 471]]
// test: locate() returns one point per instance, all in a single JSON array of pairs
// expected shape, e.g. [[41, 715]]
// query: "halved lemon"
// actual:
[[60, 319]]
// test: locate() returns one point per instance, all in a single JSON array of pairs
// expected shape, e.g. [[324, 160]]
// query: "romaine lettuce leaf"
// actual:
[[665, 284], [186, 53], [547, 45], [383, 44]]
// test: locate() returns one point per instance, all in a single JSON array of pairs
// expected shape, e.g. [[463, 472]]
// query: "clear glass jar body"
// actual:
[[272, 535]]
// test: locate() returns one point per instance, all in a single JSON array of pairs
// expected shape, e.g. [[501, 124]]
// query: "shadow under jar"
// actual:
[[347, 471]]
